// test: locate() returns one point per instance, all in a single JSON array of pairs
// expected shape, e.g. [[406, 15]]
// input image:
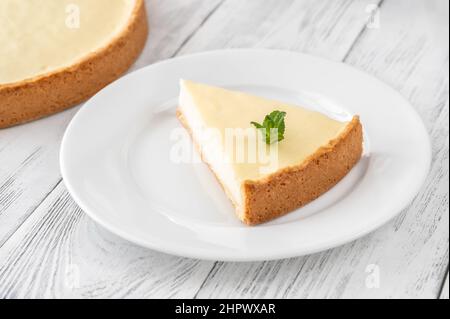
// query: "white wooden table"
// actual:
[[50, 248]]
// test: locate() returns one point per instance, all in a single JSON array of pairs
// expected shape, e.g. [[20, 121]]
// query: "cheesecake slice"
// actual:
[[263, 178]]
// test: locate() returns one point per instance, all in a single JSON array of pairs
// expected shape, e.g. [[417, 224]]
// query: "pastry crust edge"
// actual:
[[293, 187], [290, 188], [52, 92]]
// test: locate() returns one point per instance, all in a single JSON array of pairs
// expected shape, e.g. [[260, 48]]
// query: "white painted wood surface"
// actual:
[[50, 248], [445, 289]]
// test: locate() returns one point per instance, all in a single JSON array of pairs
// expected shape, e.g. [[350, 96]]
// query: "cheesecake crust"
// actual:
[[58, 90], [290, 188], [293, 187]]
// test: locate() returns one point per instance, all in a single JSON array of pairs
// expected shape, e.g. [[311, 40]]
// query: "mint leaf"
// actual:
[[273, 127], [257, 125]]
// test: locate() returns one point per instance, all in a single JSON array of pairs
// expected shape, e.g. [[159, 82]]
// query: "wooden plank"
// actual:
[[323, 28], [413, 58], [172, 23], [43, 237], [409, 256], [445, 289], [63, 254], [29, 168]]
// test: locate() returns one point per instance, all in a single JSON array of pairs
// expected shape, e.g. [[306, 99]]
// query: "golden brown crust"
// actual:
[[293, 187], [53, 92], [296, 186]]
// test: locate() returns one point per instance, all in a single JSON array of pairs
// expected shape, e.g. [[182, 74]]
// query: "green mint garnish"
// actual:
[[273, 127]]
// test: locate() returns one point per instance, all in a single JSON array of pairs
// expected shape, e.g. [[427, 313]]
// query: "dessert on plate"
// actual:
[[270, 157], [56, 53]]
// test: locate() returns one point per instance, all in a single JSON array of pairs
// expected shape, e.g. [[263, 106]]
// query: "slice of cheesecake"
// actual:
[[266, 178]]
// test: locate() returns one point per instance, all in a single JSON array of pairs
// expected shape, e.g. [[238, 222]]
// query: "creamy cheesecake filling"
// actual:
[[206, 106], [40, 36], [209, 146]]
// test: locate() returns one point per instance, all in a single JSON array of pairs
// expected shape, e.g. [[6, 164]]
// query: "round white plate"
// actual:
[[116, 162]]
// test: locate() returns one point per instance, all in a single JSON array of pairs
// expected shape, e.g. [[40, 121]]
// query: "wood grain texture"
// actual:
[[51, 249], [445, 289], [413, 58], [61, 253], [29, 168]]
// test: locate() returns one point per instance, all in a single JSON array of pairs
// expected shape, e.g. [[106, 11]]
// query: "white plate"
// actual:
[[115, 158]]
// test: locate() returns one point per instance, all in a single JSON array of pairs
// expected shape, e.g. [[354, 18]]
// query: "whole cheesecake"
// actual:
[[57, 53]]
